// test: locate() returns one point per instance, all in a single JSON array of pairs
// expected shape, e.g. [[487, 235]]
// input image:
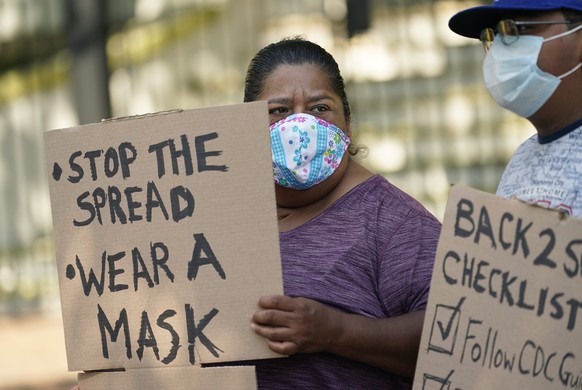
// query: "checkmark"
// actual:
[[445, 324], [433, 382], [445, 331]]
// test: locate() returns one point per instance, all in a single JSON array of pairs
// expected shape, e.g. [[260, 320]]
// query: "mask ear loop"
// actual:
[[568, 73], [574, 69], [560, 35]]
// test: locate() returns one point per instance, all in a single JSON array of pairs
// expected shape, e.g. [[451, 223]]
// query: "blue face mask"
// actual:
[[306, 150], [513, 77]]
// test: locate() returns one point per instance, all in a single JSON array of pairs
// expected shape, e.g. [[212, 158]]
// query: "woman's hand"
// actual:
[[293, 325], [301, 325]]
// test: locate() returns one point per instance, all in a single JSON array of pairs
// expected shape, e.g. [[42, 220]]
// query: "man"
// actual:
[[533, 67]]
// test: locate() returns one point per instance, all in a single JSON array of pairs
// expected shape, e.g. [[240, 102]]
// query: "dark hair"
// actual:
[[293, 51], [572, 15]]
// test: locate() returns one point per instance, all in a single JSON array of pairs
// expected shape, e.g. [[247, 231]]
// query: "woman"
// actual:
[[357, 253]]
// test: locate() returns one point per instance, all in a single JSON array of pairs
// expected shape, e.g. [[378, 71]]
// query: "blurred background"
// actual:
[[416, 92]]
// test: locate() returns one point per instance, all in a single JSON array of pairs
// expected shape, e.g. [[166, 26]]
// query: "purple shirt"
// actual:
[[370, 253]]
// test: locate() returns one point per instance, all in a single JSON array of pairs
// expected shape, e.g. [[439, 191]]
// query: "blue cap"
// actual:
[[472, 21]]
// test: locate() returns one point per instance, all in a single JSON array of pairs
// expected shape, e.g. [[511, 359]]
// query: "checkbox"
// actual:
[[445, 324], [433, 382]]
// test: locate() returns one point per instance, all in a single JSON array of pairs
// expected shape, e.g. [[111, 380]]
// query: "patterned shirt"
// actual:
[[371, 253], [547, 171]]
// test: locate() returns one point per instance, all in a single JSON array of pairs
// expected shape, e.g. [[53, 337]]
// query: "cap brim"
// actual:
[[472, 21]]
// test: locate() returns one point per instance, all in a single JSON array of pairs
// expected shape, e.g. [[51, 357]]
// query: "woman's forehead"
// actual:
[[305, 76]]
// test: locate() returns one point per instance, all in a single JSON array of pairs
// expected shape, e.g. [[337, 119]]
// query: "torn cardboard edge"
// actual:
[[142, 116], [561, 214], [232, 377]]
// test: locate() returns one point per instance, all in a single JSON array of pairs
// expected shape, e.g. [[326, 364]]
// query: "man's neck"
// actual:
[[553, 125], [556, 115]]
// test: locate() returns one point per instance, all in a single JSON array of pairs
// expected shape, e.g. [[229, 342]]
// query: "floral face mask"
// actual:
[[306, 150]]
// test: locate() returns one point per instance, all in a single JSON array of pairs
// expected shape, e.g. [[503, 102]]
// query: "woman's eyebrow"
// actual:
[[319, 97], [316, 98], [279, 100]]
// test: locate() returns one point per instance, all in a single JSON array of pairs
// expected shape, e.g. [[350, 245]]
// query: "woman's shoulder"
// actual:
[[378, 192]]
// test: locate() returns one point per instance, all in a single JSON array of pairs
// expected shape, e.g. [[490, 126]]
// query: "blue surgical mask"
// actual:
[[513, 78], [306, 150]]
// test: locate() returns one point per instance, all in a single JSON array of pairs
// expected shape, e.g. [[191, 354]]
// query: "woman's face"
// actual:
[[294, 89]]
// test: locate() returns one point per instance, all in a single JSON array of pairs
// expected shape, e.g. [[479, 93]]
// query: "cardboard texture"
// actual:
[[166, 236], [505, 307], [171, 378]]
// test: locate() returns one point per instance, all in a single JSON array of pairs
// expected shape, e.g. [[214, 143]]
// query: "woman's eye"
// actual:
[[319, 109], [277, 111]]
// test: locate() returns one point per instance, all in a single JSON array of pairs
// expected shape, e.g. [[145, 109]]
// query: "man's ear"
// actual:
[[578, 36]]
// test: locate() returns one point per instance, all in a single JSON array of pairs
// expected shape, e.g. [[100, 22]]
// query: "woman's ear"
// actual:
[[348, 129], [349, 122]]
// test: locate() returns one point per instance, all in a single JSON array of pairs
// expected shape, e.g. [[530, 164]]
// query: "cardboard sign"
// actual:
[[166, 236], [505, 307], [240, 378]]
